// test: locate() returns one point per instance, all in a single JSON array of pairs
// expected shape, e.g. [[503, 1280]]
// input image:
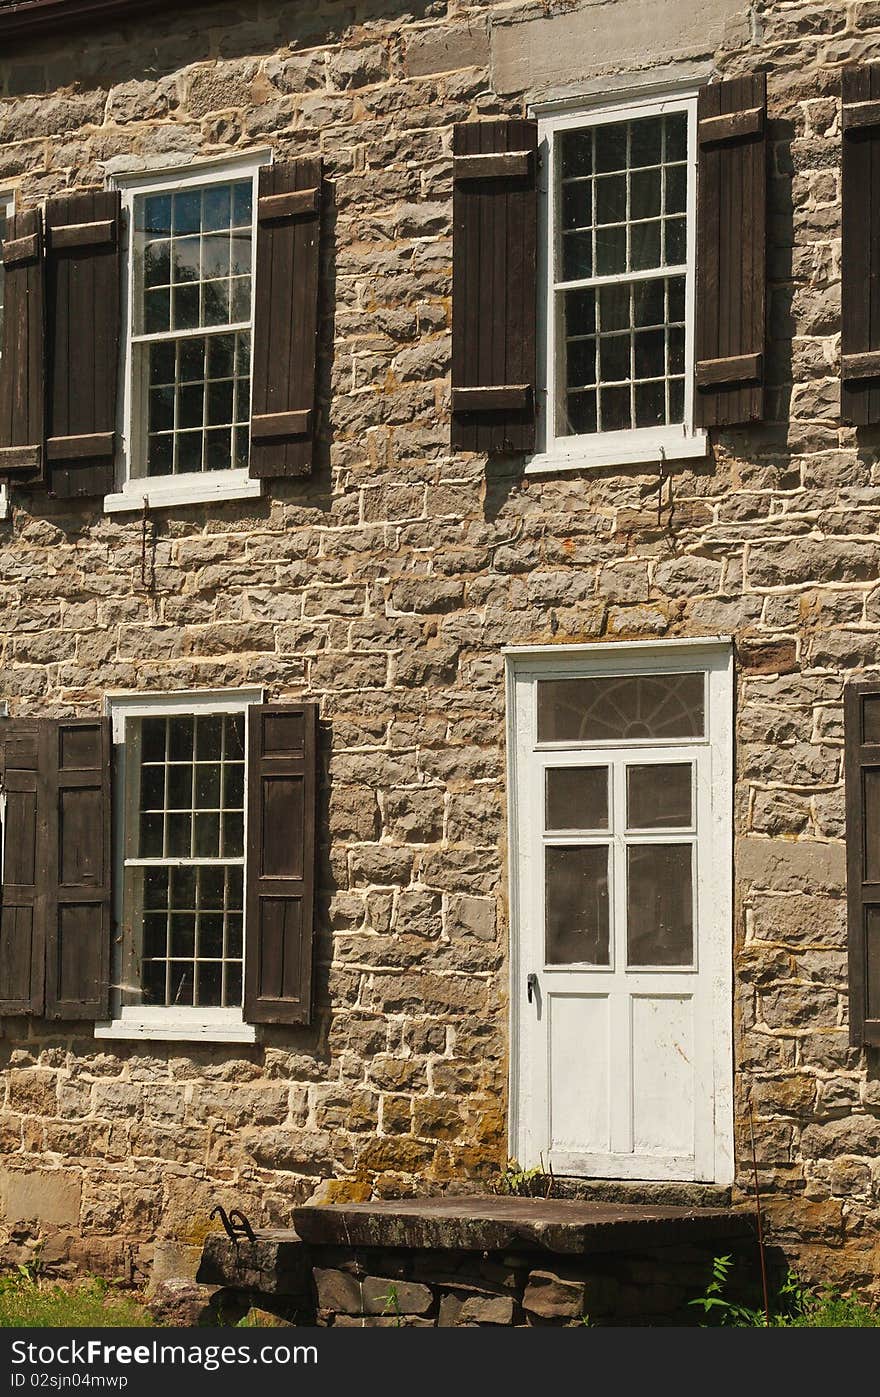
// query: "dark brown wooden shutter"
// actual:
[[284, 412], [731, 252], [494, 285], [280, 862], [860, 259], [23, 753], [862, 749], [78, 911], [83, 328], [22, 367]]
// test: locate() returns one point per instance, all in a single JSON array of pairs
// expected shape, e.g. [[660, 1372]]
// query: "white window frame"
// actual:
[[167, 1023], [7, 205], [634, 446], [525, 666], [204, 487]]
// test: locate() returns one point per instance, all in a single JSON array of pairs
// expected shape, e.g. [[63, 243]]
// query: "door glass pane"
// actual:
[[576, 916], [637, 707], [577, 797], [659, 796], [659, 904]]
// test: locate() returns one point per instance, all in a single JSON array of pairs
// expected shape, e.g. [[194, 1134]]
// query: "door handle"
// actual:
[[531, 985]]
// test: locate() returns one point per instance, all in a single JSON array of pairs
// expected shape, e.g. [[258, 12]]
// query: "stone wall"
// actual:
[[384, 588]]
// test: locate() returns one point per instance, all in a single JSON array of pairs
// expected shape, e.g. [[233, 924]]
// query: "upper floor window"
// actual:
[[618, 252], [191, 328], [190, 316]]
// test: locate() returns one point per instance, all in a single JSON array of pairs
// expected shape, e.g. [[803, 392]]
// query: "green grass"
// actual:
[[26, 1302], [795, 1306]]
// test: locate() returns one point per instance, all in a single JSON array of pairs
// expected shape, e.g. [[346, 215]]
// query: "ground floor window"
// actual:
[[181, 782]]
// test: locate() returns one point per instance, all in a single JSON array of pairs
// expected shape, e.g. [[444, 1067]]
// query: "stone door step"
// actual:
[[564, 1226]]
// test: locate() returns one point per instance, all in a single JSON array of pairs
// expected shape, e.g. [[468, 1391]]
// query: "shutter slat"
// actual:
[[23, 753], [494, 330], [286, 316], [862, 758], [282, 774], [22, 374], [731, 251], [84, 269], [78, 870]]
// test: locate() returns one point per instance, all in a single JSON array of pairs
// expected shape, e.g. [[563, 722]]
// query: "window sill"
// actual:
[[179, 1026], [627, 450], [163, 491]]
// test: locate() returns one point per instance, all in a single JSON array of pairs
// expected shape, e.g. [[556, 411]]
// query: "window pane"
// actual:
[[675, 130], [576, 798], [638, 706], [577, 256], [645, 190], [575, 153], [650, 404], [659, 796], [610, 250], [611, 144], [576, 906], [659, 904]]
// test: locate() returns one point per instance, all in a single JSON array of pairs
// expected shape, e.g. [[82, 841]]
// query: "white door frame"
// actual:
[[526, 664]]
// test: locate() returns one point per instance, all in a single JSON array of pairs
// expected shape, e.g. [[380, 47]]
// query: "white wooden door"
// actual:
[[621, 817]]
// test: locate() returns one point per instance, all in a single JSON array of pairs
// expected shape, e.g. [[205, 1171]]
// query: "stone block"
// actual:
[[393, 1297], [550, 1296], [338, 1292], [41, 1195], [480, 1310]]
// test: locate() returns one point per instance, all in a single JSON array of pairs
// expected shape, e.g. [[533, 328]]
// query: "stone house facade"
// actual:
[[694, 598]]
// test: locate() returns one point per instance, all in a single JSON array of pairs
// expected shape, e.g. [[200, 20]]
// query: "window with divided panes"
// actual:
[[184, 858], [192, 264], [619, 250]]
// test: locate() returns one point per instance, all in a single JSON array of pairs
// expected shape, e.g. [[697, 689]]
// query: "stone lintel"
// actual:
[[563, 1226]]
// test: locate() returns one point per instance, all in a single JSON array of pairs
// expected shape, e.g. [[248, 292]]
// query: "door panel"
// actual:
[[579, 1072], [663, 1074]]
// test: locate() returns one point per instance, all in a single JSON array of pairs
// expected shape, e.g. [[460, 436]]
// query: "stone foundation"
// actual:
[[466, 1263]]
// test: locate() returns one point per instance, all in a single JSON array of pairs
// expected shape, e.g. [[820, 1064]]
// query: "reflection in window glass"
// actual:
[[627, 707], [576, 905], [185, 856], [192, 312]]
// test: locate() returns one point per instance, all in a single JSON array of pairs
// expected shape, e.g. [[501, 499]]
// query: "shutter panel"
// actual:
[[83, 291], [280, 862], [494, 285], [22, 374], [25, 845], [731, 252], [284, 413], [78, 913], [862, 747], [860, 260]]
